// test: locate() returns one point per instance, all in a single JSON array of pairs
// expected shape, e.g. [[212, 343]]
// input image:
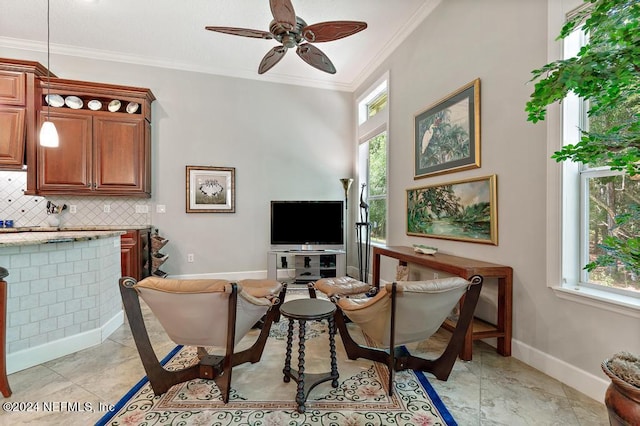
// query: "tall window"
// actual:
[[594, 196], [373, 119]]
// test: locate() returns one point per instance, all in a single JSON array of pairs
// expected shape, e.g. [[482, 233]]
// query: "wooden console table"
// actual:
[[464, 268]]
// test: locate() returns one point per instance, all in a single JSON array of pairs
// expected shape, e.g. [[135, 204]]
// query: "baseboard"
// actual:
[[36, 355], [583, 381]]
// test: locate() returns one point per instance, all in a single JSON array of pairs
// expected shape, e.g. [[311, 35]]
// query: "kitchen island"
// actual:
[[62, 293]]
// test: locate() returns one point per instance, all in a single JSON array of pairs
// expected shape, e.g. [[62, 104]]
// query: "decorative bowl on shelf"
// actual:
[[419, 248], [55, 101], [132, 107], [73, 102], [94, 105], [114, 105]]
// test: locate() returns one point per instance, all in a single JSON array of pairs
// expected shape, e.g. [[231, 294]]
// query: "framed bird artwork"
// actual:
[[447, 133]]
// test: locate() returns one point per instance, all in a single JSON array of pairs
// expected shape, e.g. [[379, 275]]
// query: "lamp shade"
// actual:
[[49, 135]]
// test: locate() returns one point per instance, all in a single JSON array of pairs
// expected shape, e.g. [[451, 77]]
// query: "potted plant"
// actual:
[[623, 394], [606, 73]]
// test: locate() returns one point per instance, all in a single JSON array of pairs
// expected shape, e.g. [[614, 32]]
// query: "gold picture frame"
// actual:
[[211, 189], [463, 210], [447, 133]]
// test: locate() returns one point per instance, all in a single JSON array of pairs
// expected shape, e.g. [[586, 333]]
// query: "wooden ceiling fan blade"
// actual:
[[314, 57], [244, 32], [271, 58], [283, 13], [332, 30]]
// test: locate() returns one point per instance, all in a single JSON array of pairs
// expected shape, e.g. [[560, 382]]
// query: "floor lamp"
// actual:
[[346, 184]]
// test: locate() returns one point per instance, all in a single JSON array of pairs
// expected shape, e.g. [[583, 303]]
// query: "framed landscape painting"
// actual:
[[211, 189], [447, 134], [465, 210]]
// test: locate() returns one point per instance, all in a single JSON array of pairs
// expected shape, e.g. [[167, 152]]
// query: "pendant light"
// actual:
[[48, 132]]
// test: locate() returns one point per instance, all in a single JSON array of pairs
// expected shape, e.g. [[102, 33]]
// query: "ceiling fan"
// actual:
[[292, 31]]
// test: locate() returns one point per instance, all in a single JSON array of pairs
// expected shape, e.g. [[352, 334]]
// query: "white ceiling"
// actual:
[[170, 33]]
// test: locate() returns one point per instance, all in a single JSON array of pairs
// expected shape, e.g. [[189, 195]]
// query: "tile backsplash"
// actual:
[[27, 210]]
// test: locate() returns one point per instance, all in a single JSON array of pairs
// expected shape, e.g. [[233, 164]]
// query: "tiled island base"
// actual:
[[62, 296]]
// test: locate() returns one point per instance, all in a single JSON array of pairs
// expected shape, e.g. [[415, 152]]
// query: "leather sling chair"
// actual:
[[404, 312], [201, 313]]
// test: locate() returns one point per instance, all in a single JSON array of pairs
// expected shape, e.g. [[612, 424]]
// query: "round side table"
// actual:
[[303, 310]]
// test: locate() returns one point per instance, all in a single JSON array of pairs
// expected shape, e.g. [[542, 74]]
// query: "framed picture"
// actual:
[[464, 210], [211, 189], [447, 134]]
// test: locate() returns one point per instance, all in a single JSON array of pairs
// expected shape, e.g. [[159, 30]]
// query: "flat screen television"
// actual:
[[307, 225]]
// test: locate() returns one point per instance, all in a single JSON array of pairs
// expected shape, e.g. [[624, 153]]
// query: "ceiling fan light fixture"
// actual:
[[289, 41]]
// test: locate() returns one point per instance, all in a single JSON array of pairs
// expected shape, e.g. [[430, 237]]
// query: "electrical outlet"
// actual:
[[106, 208], [142, 208], [73, 208], [161, 208], [435, 275], [190, 257]]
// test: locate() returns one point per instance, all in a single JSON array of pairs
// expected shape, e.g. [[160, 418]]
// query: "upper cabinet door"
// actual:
[[12, 134], [12, 88], [12, 119], [67, 167], [119, 154]]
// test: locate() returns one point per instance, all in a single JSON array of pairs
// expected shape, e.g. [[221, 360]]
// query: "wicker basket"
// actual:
[[157, 242], [158, 259]]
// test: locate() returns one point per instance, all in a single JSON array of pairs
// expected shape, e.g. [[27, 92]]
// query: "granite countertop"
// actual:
[[71, 228], [55, 236]]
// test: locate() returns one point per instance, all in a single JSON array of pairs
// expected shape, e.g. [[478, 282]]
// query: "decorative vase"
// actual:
[[53, 220], [622, 400]]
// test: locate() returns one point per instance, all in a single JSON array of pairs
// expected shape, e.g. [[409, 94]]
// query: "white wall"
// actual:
[[286, 142], [500, 42]]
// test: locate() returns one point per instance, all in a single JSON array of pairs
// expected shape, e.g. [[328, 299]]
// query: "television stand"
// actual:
[[305, 266]]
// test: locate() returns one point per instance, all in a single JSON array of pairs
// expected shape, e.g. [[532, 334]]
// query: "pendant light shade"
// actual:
[[48, 133]]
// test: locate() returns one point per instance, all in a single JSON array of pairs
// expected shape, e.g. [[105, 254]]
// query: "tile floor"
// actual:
[[490, 390]]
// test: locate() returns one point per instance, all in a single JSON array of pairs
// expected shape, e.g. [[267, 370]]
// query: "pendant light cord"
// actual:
[[48, 63]]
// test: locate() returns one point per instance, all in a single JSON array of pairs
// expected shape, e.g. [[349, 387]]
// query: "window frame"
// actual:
[[367, 129], [564, 201]]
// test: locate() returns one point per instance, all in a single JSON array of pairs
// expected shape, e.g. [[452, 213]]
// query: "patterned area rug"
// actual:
[[260, 397]]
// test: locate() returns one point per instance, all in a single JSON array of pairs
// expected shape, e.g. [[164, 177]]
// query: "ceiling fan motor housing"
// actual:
[[289, 38]]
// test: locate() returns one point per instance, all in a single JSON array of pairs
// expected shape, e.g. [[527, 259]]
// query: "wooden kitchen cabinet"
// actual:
[[101, 155], [17, 110], [103, 151], [135, 251]]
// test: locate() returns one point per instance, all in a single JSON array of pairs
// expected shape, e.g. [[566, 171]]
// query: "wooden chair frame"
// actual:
[[397, 359], [212, 367]]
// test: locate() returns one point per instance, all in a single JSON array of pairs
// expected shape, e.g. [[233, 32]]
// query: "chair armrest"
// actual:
[[440, 285], [261, 288], [352, 304]]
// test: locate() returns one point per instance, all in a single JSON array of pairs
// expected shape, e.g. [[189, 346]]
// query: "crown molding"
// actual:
[[417, 18]]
